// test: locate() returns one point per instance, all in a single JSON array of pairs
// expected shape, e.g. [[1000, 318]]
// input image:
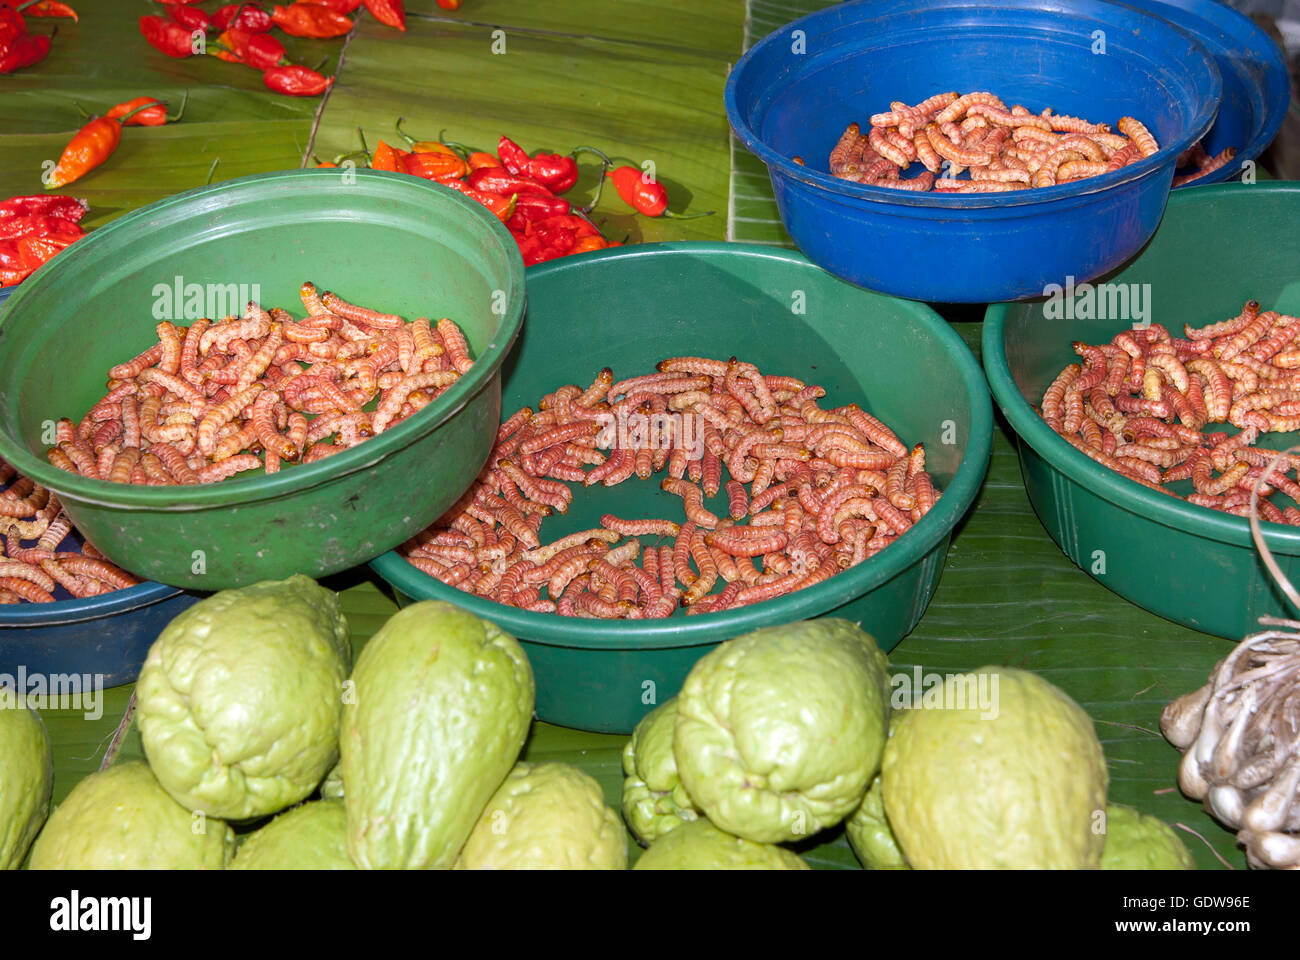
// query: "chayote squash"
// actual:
[[438, 710], [699, 845], [122, 819], [1139, 841], [779, 731], [26, 779], [654, 800], [1012, 780], [546, 816], [311, 836], [240, 697]]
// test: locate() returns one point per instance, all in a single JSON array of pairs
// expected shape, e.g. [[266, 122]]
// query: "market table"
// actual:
[[645, 83]]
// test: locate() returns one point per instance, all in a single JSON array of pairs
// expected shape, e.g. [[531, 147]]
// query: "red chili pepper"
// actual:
[[312, 20], [503, 207], [34, 251], [645, 197], [533, 249], [499, 180], [49, 8], [34, 225], [344, 7], [391, 13], [191, 18], [168, 37], [261, 51], [243, 16], [296, 80], [513, 157], [580, 226], [9, 259], [23, 50], [29, 239], [51, 205], [12, 23], [556, 172], [650, 199], [449, 4], [534, 207]]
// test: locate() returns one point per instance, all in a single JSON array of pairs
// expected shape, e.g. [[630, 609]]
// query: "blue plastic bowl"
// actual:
[[796, 90], [107, 635], [1256, 86]]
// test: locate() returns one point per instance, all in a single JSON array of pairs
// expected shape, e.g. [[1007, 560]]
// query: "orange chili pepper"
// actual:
[[434, 165], [427, 146], [388, 158], [590, 243], [49, 8], [479, 159], [90, 146], [391, 13], [311, 20], [154, 113]]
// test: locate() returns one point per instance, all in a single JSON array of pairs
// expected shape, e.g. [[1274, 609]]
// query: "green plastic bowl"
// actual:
[[632, 307], [385, 240], [1216, 248]]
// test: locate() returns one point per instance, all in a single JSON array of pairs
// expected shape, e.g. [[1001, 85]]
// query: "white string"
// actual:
[[1265, 554]]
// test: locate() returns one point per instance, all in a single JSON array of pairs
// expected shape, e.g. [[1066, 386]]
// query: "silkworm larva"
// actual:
[[229, 467], [887, 148], [693, 501], [954, 152], [1139, 134], [26, 590], [958, 107]]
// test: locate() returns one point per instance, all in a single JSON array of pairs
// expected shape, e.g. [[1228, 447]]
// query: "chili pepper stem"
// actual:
[[185, 98], [144, 106], [459, 148], [212, 170], [668, 214], [125, 116], [402, 133], [600, 153], [605, 164]]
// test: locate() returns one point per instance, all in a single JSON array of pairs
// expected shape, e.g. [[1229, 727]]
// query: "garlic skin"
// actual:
[[1180, 721]]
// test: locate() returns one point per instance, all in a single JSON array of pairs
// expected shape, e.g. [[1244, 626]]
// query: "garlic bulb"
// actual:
[[1241, 737]]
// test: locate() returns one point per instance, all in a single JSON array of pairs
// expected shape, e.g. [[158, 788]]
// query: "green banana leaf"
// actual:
[[642, 80], [546, 90]]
